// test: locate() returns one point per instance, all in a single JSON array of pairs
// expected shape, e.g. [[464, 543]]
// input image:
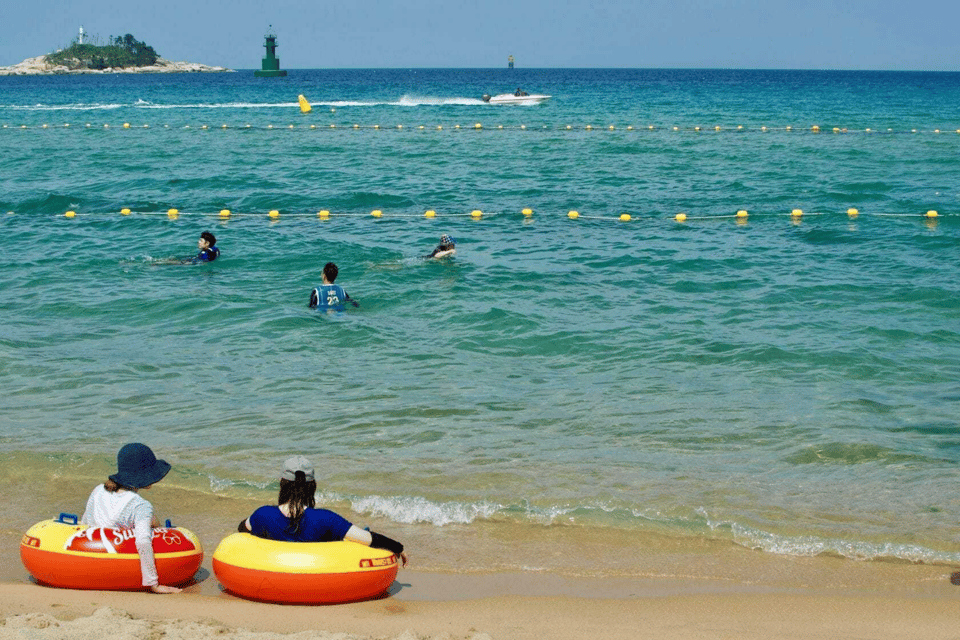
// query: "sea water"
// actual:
[[785, 381]]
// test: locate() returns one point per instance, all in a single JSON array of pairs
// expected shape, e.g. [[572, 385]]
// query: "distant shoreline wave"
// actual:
[[403, 101]]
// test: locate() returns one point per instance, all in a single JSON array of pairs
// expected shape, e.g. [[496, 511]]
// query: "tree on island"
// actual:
[[122, 51]]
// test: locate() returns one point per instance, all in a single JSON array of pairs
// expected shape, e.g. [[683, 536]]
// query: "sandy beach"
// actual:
[[31, 611], [718, 591]]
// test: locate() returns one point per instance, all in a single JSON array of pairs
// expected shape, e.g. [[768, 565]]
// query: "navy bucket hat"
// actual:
[[137, 467]]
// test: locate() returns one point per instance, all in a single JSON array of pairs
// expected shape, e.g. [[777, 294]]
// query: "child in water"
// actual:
[[117, 503], [208, 248], [447, 247], [329, 296]]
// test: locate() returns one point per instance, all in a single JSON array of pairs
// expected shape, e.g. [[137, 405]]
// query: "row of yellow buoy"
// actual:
[[476, 214], [478, 126]]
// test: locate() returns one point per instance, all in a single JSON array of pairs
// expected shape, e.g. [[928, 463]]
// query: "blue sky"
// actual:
[[771, 34]]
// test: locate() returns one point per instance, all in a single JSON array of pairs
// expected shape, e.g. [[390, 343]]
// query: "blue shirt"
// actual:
[[207, 255], [316, 525], [328, 296]]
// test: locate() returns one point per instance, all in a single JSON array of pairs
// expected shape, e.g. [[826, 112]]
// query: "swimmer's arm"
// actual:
[[351, 300], [375, 540], [314, 299]]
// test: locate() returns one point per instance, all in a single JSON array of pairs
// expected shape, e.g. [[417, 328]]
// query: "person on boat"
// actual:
[[447, 247], [295, 519], [520, 92], [117, 504], [329, 296], [208, 248]]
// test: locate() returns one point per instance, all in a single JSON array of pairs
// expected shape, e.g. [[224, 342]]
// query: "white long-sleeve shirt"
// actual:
[[125, 510]]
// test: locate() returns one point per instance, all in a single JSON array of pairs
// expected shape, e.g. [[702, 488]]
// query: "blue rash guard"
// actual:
[[316, 525], [328, 297], [207, 255]]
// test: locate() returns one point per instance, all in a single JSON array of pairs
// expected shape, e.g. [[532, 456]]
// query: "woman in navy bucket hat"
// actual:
[[116, 503]]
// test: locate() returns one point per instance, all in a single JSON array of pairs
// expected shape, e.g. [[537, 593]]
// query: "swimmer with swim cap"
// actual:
[[447, 247]]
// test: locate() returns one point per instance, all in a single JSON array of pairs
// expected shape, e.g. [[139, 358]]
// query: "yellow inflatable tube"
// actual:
[[302, 572]]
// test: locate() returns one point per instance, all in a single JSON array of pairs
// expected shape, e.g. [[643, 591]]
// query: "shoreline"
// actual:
[[39, 66]]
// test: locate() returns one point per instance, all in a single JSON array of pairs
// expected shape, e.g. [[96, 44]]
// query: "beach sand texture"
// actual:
[[31, 611]]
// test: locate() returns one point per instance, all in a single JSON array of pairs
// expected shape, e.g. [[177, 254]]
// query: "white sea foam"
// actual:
[[760, 540], [64, 107], [416, 509]]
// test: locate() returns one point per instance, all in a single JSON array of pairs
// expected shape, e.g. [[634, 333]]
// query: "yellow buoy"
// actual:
[[478, 126], [796, 213], [742, 213], [429, 213], [223, 126], [356, 126], [476, 214], [323, 215], [589, 127], [815, 128], [932, 214], [376, 213], [274, 214], [399, 126], [625, 217], [852, 212], [573, 215], [523, 126], [611, 127], [126, 125], [789, 128], [376, 126], [224, 213], [304, 105], [172, 214], [569, 127], [716, 128], [69, 214], [124, 211], [527, 212], [680, 217]]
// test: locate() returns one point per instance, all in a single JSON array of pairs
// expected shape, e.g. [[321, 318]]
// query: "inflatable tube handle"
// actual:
[[169, 524], [63, 517]]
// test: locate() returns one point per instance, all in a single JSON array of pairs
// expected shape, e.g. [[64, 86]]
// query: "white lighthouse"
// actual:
[[80, 37]]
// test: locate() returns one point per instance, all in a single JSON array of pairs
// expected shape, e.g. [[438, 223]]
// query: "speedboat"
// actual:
[[512, 98]]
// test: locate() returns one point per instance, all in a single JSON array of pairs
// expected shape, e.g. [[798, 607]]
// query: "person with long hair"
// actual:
[[295, 519], [117, 503]]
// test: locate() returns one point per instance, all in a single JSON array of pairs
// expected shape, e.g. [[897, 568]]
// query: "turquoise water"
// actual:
[[788, 383]]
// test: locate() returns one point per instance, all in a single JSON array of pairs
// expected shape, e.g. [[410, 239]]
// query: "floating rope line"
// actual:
[[741, 216]]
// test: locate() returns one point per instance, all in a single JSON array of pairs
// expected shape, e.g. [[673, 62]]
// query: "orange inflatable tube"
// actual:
[[302, 572], [64, 553]]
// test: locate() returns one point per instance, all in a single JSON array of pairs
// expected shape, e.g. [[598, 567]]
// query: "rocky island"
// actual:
[[124, 54]]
